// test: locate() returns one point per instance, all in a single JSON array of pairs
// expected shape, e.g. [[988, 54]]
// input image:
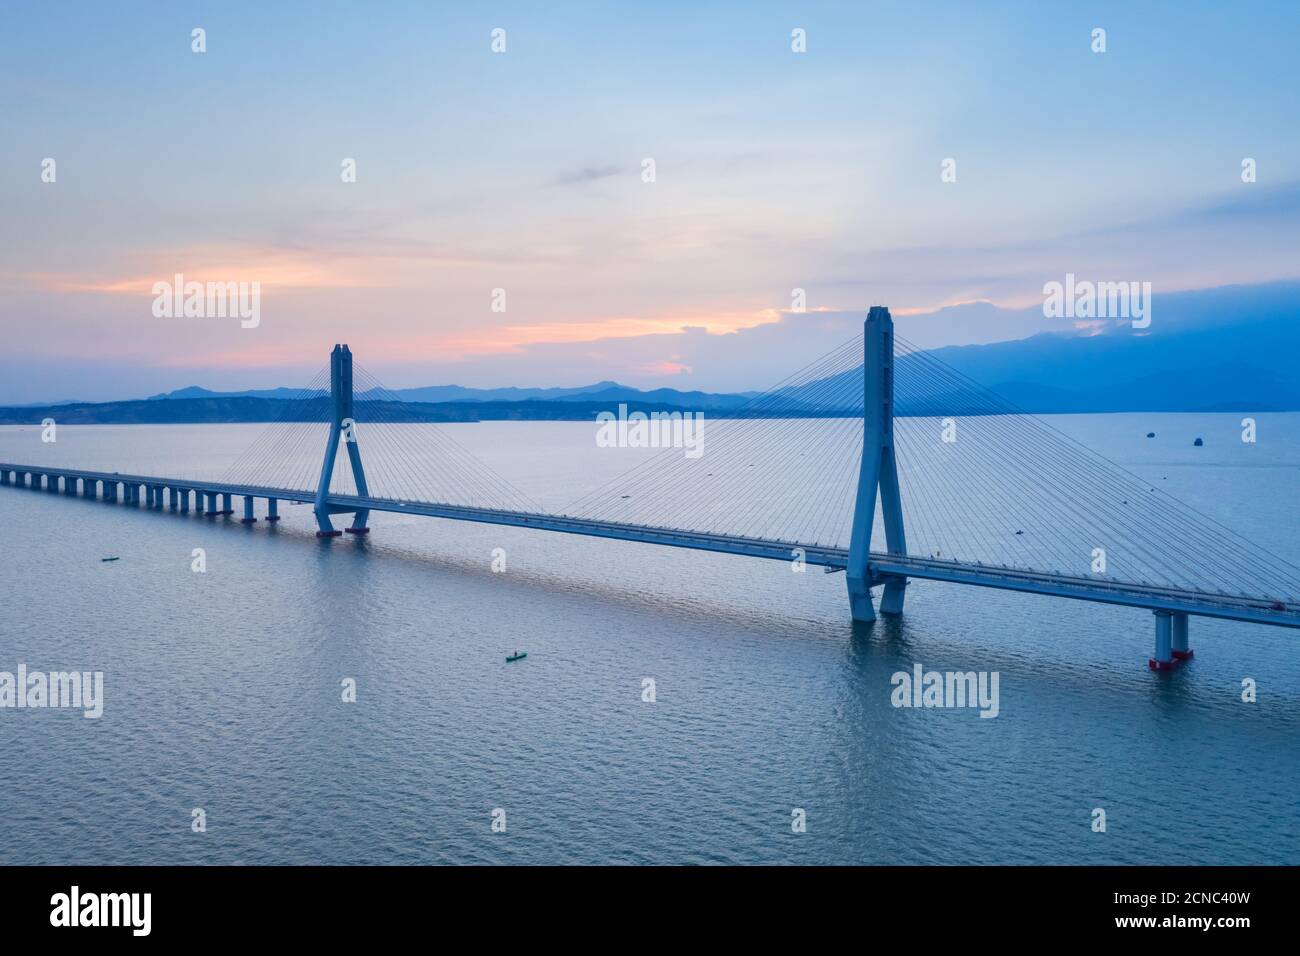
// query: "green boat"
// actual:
[[516, 656]]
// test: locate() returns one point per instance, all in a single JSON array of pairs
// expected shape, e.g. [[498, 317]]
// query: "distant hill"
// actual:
[[1228, 349], [600, 391], [244, 409]]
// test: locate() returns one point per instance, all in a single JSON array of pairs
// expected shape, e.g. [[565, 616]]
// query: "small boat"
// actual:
[[1151, 434], [1198, 443], [516, 656], [111, 557]]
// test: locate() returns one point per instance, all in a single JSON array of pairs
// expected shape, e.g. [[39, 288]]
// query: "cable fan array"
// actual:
[[403, 459], [783, 467], [986, 482], [982, 483]]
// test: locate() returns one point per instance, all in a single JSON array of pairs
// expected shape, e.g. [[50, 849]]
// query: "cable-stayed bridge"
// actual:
[[876, 443]]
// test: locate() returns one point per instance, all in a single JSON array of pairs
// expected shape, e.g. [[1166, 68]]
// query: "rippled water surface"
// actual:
[[223, 689]]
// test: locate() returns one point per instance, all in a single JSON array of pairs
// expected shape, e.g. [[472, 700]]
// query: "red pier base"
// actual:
[[329, 534], [357, 530], [1186, 655], [1156, 665]]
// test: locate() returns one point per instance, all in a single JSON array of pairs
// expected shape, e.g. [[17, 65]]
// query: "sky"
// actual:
[[523, 171]]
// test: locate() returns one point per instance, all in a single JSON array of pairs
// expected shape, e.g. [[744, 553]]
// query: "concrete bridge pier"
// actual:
[[226, 508], [1164, 656], [272, 509], [183, 500], [171, 499], [70, 487], [1178, 638], [210, 504], [248, 511]]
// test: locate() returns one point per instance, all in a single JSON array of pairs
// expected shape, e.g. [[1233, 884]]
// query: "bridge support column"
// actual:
[[70, 487], [1178, 638], [1164, 658], [171, 498], [226, 507], [342, 427], [878, 473], [210, 504], [184, 496], [272, 509], [248, 511]]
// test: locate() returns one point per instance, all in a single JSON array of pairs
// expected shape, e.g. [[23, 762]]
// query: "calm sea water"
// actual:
[[223, 689]]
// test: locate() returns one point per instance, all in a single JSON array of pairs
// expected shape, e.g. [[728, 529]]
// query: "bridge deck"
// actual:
[[1154, 597]]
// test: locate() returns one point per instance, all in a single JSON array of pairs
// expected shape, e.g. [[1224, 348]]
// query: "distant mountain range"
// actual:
[[599, 392], [1233, 348]]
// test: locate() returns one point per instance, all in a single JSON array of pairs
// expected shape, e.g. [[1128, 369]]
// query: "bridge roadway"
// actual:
[[882, 566]]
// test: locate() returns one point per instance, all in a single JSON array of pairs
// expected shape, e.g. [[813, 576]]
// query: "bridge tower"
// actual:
[[879, 472], [342, 427]]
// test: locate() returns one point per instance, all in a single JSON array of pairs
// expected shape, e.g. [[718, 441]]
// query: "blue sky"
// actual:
[[522, 171]]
